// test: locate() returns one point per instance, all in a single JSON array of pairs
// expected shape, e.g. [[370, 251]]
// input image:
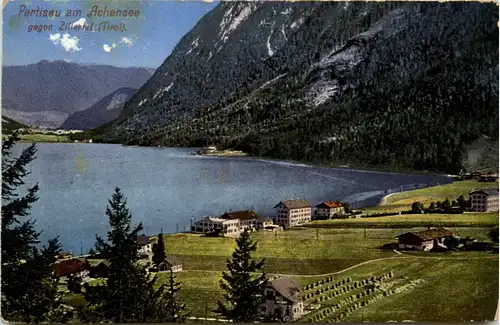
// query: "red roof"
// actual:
[[67, 267], [330, 204]]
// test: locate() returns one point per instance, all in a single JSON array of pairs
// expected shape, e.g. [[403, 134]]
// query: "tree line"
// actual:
[[130, 294]]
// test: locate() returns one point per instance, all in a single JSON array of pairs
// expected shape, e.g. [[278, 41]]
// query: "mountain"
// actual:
[[9, 125], [46, 93], [400, 84], [102, 112]]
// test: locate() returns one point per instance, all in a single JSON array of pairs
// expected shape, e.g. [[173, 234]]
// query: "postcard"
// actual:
[[258, 161]]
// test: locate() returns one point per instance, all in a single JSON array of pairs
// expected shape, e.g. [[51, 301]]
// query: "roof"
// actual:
[[295, 204], [67, 267], [487, 191], [173, 260], [143, 240], [330, 204], [241, 215], [429, 234], [286, 287], [265, 219]]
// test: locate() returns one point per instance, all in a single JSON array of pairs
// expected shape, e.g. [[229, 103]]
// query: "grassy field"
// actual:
[[437, 193], [307, 254], [467, 219]]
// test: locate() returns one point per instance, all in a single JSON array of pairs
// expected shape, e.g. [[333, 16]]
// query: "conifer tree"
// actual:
[[129, 294], [29, 288], [159, 254], [244, 292], [174, 309]]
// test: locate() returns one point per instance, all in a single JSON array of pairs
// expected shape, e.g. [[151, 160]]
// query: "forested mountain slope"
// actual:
[[400, 84]]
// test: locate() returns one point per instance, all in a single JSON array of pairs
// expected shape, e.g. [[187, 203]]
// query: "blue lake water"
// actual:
[[167, 187]]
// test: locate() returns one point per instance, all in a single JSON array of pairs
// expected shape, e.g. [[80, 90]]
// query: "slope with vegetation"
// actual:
[[394, 84]]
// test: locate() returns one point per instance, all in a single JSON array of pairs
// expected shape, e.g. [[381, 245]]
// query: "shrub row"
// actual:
[[324, 281], [359, 304]]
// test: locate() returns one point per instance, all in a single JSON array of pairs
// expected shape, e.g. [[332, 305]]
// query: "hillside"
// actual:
[[399, 84], [46, 93], [102, 112], [9, 125]]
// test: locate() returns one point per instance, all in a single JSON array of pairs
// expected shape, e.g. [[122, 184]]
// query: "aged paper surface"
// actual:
[[265, 162]]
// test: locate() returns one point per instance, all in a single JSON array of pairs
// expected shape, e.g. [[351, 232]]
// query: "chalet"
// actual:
[[290, 213], [328, 210], [489, 177], [484, 200], [69, 267], [230, 223], [247, 218], [100, 270], [265, 223], [282, 297], [476, 175], [171, 263], [423, 240], [145, 246], [64, 255]]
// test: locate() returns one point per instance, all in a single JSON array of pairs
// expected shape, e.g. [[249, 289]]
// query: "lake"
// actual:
[[167, 187]]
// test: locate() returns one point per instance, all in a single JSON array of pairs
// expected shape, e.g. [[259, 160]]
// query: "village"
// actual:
[[286, 295]]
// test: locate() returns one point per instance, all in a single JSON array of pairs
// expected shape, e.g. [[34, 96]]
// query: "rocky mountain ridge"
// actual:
[[396, 83]]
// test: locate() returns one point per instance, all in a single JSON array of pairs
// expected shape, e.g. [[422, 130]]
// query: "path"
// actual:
[[400, 256]]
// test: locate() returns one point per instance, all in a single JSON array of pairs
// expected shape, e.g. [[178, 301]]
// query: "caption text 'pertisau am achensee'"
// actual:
[[96, 19]]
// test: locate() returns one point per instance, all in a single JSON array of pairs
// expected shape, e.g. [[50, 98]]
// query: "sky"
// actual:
[[146, 42]]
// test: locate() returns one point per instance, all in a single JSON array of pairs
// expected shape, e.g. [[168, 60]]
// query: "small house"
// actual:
[[171, 263], [64, 255], [484, 200], [283, 298], [100, 270], [145, 246], [264, 223], [69, 267], [328, 210], [423, 240]]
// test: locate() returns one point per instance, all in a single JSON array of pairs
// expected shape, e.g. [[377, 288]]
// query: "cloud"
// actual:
[[126, 41], [79, 22], [69, 43], [108, 48]]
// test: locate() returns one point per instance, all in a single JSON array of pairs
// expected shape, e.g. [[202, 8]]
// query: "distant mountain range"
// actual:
[[102, 112], [46, 93], [403, 84]]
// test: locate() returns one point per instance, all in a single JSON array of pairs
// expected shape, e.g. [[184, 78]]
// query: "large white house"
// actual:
[[484, 200], [283, 299], [328, 210], [290, 213], [231, 223]]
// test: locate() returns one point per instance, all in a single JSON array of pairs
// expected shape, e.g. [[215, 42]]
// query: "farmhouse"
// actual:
[[230, 223], [423, 240], [247, 218], [484, 200], [171, 263], [265, 223], [144, 245], [100, 270], [71, 267], [328, 210], [283, 298], [290, 213], [489, 177]]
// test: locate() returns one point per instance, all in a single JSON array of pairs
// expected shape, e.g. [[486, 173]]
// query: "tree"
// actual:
[[493, 234], [417, 207], [159, 254], [128, 295], [29, 288], [174, 311], [244, 292], [462, 203], [432, 206], [446, 204], [346, 207]]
